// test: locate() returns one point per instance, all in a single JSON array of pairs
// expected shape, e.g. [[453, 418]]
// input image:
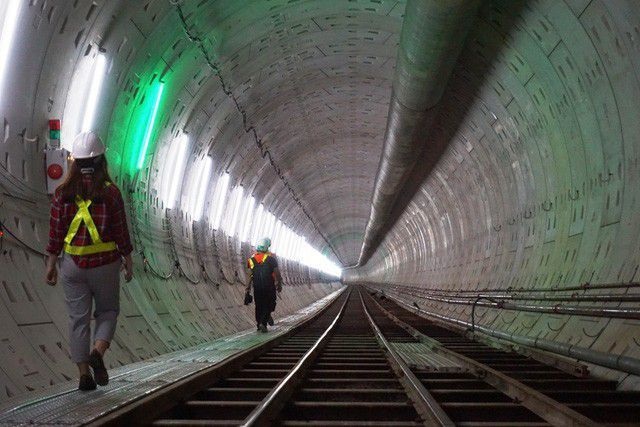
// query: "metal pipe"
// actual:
[[583, 287], [612, 361], [573, 298], [473, 312], [432, 37], [611, 313]]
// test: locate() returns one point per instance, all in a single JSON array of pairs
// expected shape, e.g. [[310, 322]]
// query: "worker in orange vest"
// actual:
[[266, 279]]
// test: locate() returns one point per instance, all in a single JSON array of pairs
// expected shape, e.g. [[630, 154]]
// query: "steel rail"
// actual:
[[273, 402], [425, 404], [542, 405], [146, 408]]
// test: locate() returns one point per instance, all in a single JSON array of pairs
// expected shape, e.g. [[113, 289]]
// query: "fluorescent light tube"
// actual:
[[219, 199], [98, 74], [7, 33], [175, 164], [248, 218], [235, 212], [202, 184]]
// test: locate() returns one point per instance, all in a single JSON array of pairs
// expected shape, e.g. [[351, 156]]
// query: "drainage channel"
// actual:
[[553, 393]]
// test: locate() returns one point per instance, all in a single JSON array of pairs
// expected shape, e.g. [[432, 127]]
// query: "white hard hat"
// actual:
[[87, 145], [264, 244]]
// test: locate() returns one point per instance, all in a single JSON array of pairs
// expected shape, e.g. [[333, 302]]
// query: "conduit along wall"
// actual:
[[433, 33], [538, 189]]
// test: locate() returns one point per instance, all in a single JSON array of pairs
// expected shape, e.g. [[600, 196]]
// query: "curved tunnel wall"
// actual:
[[539, 186], [164, 308]]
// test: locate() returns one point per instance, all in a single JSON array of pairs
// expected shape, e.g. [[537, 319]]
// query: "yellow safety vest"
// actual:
[[83, 215], [251, 264]]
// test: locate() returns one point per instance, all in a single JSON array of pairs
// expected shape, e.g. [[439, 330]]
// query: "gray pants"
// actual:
[[81, 286]]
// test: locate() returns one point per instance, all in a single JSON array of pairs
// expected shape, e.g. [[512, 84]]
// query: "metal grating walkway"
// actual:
[[63, 404]]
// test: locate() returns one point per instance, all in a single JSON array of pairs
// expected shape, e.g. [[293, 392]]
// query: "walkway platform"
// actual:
[[64, 404]]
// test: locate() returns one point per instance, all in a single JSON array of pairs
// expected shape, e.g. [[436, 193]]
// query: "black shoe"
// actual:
[[270, 321], [263, 328], [99, 371], [86, 383]]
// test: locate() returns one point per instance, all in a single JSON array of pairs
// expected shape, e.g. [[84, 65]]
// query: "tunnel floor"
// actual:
[[64, 404], [354, 357]]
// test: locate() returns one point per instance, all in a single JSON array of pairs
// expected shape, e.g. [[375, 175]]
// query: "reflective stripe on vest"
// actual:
[[83, 215], [251, 263]]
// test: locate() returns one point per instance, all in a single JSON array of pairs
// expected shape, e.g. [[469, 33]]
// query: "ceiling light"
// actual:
[[248, 218], [235, 210], [258, 222], [98, 74], [218, 200], [83, 98], [174, 168], [10, 11], [201, 184]]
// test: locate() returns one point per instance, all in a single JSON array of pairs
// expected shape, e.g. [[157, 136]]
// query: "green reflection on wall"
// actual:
[[134, 129], [141, 140]]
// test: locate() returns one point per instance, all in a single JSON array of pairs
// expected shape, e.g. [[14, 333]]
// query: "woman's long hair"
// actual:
[[73, 185]]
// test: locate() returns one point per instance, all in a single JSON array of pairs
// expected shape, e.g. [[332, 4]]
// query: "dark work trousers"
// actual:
[[264, 299]]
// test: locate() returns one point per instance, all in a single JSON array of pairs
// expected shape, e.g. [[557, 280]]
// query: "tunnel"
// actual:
[[475, 161]]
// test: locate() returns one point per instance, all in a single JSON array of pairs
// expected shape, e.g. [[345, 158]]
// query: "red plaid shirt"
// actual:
[[108, 214]]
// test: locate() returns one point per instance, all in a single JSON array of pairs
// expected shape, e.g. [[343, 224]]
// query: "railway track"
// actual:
[[596, 400], [331, 372], [342, 368]]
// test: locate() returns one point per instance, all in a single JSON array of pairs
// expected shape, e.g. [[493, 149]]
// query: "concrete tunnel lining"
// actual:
[[536, 187]]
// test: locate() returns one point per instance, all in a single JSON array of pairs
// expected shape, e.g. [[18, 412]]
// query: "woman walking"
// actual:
[[88, 224]]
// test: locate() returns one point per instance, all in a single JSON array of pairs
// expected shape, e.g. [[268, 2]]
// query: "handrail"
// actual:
[[430, 406], [544, 406], [276, 398]]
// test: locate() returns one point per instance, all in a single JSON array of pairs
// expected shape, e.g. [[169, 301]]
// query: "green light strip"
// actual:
[[149, 130]]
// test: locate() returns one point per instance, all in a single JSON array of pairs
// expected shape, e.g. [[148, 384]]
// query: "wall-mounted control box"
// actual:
[[55, 167], [55, 158]]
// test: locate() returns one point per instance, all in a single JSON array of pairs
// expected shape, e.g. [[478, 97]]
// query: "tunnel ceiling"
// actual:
[[529, 152], [314, 78]]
